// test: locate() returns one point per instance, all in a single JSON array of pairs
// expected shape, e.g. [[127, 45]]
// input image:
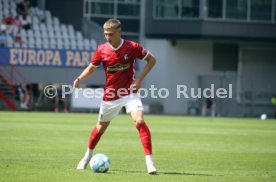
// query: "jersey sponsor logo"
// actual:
[[118, 67]]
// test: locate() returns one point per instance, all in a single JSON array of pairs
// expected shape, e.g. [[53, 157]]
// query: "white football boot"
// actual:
[[150, 166], [85, 160], [83, 163]]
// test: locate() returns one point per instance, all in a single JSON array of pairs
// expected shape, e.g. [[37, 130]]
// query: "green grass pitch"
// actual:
[[38, 147]]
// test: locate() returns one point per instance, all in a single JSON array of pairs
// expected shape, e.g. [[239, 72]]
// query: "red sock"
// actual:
[[94, 138], [145, 137]]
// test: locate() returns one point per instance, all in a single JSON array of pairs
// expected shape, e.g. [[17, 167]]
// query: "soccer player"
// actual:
[[118, 57], [209, 105]]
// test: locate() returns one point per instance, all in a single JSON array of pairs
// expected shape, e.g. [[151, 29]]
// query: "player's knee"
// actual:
[[139, 121], [101, 126]]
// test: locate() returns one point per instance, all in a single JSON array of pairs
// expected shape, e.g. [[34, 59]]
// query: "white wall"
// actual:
[[179, 64]]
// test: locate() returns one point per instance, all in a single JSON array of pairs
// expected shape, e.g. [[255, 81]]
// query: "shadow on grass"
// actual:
[[160, 173], [183, 173]]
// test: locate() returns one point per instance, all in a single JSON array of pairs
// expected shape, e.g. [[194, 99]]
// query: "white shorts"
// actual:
[[110, 109]]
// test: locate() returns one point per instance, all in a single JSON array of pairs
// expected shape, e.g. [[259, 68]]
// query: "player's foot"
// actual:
[[151, 168], [65, 110], [83, 163]]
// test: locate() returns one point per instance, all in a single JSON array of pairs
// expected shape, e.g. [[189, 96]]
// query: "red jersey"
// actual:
[[119, 66]]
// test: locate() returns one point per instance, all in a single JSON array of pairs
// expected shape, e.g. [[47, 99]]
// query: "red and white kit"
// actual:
[[119, 66]]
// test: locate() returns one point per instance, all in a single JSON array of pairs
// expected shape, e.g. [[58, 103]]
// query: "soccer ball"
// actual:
[[263, 117], [100, 163]]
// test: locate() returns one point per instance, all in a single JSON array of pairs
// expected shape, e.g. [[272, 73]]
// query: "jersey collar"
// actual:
[[115, 49]]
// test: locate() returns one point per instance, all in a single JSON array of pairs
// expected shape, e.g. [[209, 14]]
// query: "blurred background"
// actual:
[[196, 42]]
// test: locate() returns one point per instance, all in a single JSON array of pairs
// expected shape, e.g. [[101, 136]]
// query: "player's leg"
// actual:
[[203, 110], [107, 112], [94, 138], [145, 138], [134, 106], [65, 105], [213, 112], [144, 132], [56, 103]]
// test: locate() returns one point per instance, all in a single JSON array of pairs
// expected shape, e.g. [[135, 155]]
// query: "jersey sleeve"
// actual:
[[141, 52], [96, 59]]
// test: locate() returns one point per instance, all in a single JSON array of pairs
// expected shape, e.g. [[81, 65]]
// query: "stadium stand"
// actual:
[[44, 30], [38, 29]]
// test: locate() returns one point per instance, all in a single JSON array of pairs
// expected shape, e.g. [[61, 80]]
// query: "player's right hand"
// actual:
[[76, 83]]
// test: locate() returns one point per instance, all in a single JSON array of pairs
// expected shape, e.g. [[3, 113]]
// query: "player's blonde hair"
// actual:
[[112, 24]]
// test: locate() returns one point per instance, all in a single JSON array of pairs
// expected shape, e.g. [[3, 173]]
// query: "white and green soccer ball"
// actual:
[[100, 163]]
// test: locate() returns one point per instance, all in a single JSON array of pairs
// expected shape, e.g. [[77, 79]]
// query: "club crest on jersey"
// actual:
[[126, 57]]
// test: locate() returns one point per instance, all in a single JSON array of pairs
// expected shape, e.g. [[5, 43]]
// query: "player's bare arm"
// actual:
[[150, 59], [88, 71]]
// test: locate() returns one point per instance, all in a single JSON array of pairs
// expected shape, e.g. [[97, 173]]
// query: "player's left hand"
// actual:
[[136, 85]]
